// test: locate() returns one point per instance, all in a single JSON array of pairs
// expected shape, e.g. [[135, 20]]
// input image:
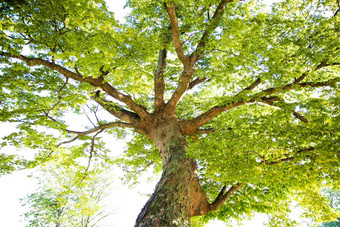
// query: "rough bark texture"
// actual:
[[178, 195]]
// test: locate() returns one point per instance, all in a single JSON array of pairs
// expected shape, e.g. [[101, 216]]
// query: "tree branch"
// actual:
[[300, 117], [115, 110], [188, 62], [253, 85], [320, 84], [220, 194], [298, 80], [250, 87], [223, 197], [104, 73], [87, 116], [96, 82], [68, 141], [59, 96], [183, 85], [261, 156], [320, 66], [189, 126], [102, 127], [159, 85], [176, 33], [95, 113], [203, 131], [289, 158], [91, 154], [336, 12], [196, 81], [95, 129], [270, 101], [214, 22]]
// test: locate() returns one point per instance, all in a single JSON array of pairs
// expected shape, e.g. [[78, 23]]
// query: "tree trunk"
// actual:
[[178, 195]]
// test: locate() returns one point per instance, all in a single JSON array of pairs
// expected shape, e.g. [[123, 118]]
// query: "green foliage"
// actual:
[[238, 153], [140, 154], [10, 163], [266, 145]]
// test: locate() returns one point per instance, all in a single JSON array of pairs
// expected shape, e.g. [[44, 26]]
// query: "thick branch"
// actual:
[[183, 85], [203, 131], [336, 12], [56, 67], [117, 111], [104, 73], [298, 80], [96, 82], [159, 85], [271, 100], [223, 197], [176, 33], [189, 126], [320, 66], [220, 194]]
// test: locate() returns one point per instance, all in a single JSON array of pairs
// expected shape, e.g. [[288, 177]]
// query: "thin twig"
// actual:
[[196, 81], [87, 116], [261, 156], [95, 129], [91, 155], [289, 158]]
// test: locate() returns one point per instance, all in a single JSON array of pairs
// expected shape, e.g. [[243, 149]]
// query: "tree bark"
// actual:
[[178, 195]]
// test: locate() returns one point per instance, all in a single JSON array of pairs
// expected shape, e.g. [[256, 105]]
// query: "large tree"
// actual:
[[236, 103]]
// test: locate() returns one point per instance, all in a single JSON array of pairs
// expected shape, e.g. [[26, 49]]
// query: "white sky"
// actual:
[[127, 202]]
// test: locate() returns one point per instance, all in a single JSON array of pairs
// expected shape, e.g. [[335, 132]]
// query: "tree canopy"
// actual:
[[242, 96]]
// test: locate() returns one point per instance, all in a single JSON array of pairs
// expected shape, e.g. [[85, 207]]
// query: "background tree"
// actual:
[[334, 202], [66, 198], [237, 104]]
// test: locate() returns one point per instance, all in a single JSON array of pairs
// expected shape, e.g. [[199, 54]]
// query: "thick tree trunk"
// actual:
[[178, 195]]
